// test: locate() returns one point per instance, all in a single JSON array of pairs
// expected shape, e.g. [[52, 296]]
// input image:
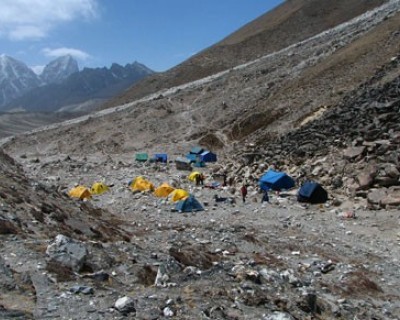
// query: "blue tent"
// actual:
[[196, 150], [312, 192], [208, 156], [161, 157], [192, 157], [189, 204], [276, 181]]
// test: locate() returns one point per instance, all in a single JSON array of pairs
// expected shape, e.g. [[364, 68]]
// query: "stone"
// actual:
[[392, 199], [386, 181], [67, 252], [391, 171], [168, 312], [366, 178], [278, 316], [353, 153], [162, 276], [125, 305], [81, 289], [375, 196]]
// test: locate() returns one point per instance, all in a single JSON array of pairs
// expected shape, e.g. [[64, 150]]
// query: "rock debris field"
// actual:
[[130, 255]]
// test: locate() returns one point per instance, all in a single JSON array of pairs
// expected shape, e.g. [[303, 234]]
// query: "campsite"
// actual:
[[218, 246], [104, 217]]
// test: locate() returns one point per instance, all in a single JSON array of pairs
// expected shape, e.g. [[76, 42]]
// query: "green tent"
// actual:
[[142, 157]]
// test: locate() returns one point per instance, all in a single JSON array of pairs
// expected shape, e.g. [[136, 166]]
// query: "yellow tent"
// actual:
[[80, 192], [178, 194], [141, 184], [99, 188], [164, 190], [193, 175]]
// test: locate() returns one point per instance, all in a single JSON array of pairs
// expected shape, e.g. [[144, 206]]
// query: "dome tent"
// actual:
[[141, 184], [99, 188], [164, 190], [276, 181], [312, 192], [178, 194], [80, 192], [190, 204]]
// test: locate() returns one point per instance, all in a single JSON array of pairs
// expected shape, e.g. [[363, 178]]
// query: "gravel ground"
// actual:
[[231, 261]]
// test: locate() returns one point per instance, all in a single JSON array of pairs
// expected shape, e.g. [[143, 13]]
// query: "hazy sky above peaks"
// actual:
[[157, 33]]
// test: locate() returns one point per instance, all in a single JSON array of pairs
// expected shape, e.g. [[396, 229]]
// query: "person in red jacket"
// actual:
[[243, 191]]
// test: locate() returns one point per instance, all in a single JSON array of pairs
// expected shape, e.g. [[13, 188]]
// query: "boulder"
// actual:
[[67, 253], [375, 196], [125, 305], [365, 180], [352, 153]]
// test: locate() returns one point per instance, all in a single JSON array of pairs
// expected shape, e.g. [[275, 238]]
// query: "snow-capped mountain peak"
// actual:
[[16, 78], [59, 69]]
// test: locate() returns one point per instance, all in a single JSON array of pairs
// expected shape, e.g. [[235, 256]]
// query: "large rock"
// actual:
[[352, 153], [196, 255], [67, 253], [392, 198], [125, 305], [391, 170], [375, 196], [366, 178], [386, 181]]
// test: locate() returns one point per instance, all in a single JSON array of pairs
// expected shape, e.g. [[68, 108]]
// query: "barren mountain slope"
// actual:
[[26, 202], [289, 23], [272, 94], [17, 122]]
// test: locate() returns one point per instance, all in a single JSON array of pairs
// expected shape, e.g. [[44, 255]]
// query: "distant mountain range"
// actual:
[[62, 86]]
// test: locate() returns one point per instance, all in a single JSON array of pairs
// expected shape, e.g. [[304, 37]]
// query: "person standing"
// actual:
[[265, 197], [202, 177], [243, 191]]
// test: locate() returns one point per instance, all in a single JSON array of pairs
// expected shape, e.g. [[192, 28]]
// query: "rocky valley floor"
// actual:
[[277, 260]]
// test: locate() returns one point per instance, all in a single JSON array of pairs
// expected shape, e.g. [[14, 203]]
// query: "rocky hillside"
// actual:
[[289, 23]]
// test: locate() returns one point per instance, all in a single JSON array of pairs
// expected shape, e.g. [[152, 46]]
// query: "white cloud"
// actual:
[[26, 32], [54, 53], [33, 19]]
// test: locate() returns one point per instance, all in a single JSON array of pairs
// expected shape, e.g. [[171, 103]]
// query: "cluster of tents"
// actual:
[[81, 192], [310, 191], [185, 202], [197, 157], [158, 157]]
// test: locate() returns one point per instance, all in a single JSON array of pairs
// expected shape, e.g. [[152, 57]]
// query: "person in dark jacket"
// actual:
[[243, 191], [265, 197]]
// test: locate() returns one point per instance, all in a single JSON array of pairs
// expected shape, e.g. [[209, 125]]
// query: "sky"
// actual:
[[157, 33]]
